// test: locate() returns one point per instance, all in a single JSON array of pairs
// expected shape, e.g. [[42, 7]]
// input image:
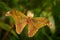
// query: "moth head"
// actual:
[[30, 14]]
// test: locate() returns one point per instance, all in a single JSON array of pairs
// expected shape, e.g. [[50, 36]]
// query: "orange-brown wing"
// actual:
[[20, 20], [35, 24]]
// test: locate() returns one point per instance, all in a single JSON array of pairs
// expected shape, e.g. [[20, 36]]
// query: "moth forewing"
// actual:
[[19, 19], [21, 22], [35, 25], [18, 13], [20, 26], [30, 30]]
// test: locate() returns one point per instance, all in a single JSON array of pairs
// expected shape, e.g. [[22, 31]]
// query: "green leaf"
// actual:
[[3, 6], [7, 27], [51, 19]]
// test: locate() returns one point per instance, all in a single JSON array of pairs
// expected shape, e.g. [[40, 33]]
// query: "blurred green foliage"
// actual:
[[41, 8]]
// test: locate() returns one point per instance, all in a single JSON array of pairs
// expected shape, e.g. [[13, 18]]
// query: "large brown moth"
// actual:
[[34, 24]]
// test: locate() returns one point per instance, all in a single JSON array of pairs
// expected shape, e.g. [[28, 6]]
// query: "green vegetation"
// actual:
[[41, 8]]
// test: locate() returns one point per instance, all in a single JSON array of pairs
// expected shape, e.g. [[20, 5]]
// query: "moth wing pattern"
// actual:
[[35, 25], [20, 22], [19, 18]]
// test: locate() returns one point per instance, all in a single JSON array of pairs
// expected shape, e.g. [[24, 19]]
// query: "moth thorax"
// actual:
[[30, 14]]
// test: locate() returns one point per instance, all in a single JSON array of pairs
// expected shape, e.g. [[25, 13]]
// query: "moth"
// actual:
[[21, 20]]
